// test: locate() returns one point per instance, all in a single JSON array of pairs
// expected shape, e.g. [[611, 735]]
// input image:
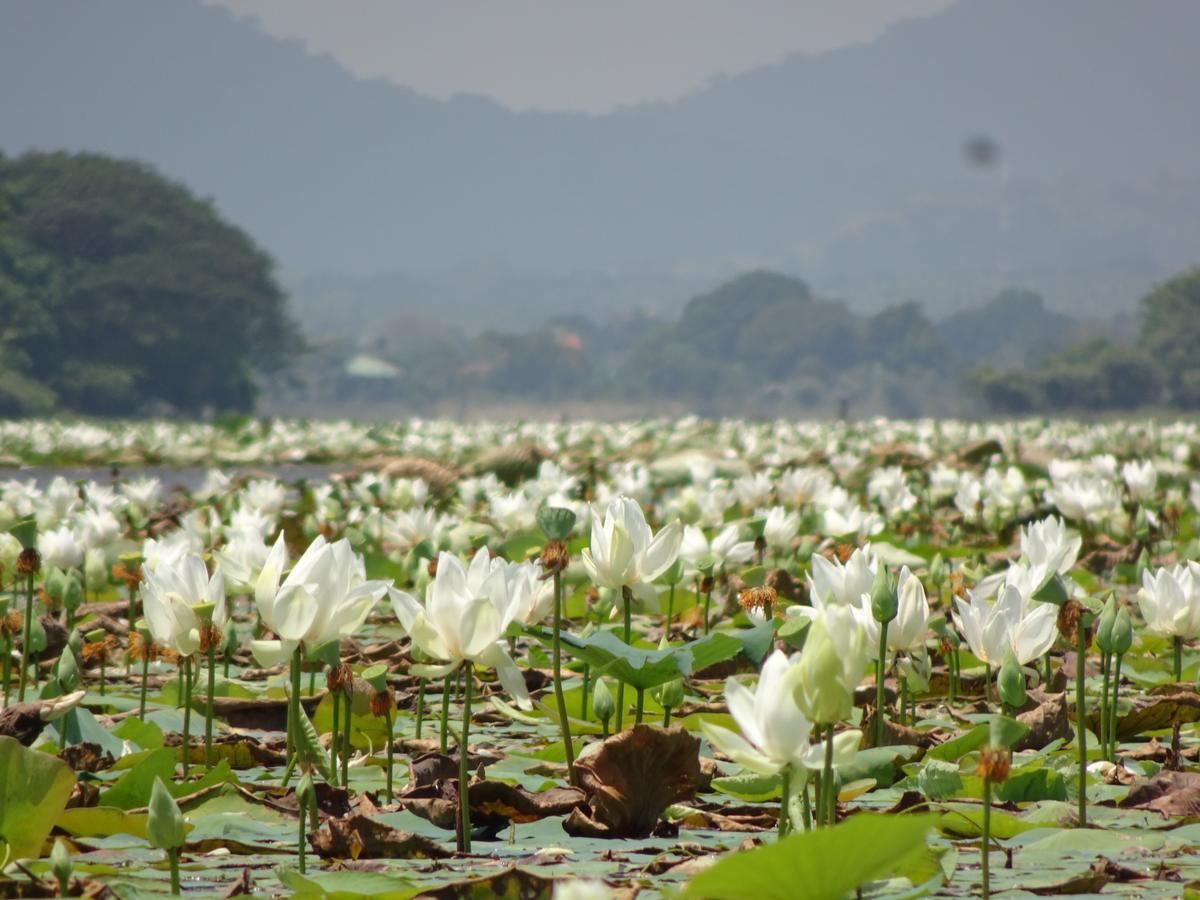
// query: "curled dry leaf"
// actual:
[[632, 777], [1047, 722], [358, 837]]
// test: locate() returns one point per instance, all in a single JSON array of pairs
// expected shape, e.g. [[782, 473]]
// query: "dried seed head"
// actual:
[[29, 562], [382, 702], [340, 678], [1069, 616], [994, 763], [143, 648], [554, 557], [210, 636], [758, 598]]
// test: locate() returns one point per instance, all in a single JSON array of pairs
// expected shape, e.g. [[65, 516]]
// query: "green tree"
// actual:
[[120, 290], [1170, 334]]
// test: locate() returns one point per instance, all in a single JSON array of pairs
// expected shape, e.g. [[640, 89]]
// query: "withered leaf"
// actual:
[[358, 837], [635, 775]]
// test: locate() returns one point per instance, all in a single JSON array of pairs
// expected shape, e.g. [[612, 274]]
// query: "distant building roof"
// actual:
[[364, 366]]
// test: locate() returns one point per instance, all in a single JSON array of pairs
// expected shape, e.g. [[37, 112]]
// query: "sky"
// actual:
[[571, 55]]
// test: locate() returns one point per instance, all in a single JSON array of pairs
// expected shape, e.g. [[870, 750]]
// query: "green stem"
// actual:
[[301, 820], [627, 602], [583, 701], [420, 707], [208, 705], [1178, 647], [391, 753], [830, 814], [1112, 716], [564, 722], [785, 779], [1081, 721], [1105, 661], [173, 862], [464, 792], [187, 714], [27, 636], [806, 806], [334, 744], [6, 663], [347, 749], [985, 846], [445, 741], [670, 610], [880, 668]]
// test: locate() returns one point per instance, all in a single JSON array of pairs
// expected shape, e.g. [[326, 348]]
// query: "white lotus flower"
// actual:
[[464, 618], [1169, 599], [60, 549], [170, 595], [775, 733], [1141, 478], [1047, 543], [325, 596], [991, 628], [624, 552], [724, 550], [781, 527], [842, 584]]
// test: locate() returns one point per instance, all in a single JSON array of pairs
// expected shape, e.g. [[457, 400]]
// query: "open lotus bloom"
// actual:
[[325, 596], [1048, 543], [1169, 599], [775, 733], [624, 552], [842, 584], [466, 613], [172, 592], [990, 628]]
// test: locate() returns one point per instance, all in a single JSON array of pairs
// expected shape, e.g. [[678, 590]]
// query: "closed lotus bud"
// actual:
[[1011, 681], [937, 570], [556, 522], [884, 602], [831, 664], [60, 865], [671, 695], [602, 702], [164, 825], [72, 596], [1104, 626], [1122, 633], [66, 671]]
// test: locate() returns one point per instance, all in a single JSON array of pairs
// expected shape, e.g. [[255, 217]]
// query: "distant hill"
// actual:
[[847, 166]]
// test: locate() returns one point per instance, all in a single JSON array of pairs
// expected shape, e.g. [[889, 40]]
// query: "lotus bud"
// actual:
[[830, 667], [60, 865], [556, 522], [674, 574], [1011, 681], [671, 694], [1104, 626], [884, 602], [602, 702], [66, 671], [72, 596], [164, 825], [95, 571], [937, 570], [1122, 632]]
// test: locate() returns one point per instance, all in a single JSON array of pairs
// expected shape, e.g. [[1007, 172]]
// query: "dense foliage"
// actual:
[[121, 292]]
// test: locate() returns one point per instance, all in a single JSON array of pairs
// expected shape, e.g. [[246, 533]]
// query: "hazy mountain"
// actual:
[[846, 167]]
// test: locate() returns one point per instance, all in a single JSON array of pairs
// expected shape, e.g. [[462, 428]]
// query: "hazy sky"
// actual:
[[571, 54]]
